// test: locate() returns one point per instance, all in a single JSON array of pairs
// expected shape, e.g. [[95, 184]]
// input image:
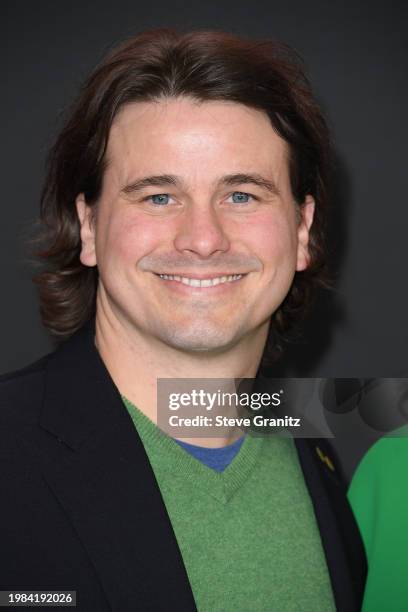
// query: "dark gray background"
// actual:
[[357, 59]]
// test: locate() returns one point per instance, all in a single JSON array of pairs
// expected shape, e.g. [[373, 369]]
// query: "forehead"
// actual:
[[198, 138]]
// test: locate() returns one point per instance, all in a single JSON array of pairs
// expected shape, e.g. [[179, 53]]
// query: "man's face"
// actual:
[[219, 205]]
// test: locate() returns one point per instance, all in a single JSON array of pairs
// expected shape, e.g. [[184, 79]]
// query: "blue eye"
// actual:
[[160, 199], [239, 197]]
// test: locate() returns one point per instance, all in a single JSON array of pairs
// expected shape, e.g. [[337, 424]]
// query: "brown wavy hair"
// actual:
[[164, 63]]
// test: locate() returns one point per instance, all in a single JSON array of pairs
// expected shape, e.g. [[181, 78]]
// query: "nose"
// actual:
[[201, 232]]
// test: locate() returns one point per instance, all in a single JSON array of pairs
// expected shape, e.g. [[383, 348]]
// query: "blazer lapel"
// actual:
[[341, 540], [98, 469]]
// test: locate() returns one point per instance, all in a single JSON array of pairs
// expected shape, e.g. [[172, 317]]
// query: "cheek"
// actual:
[[127, 239], [274, 239]]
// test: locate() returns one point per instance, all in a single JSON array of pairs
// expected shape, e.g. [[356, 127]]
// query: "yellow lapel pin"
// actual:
[[325, 458]]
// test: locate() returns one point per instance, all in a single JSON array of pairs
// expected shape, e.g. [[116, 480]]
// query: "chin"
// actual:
[[198, 340]]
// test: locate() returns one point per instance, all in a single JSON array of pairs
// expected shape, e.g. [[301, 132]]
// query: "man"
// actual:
[[184, 205]]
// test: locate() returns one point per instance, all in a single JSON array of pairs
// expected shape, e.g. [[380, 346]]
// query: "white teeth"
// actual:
[[193, 282], [196, 282]]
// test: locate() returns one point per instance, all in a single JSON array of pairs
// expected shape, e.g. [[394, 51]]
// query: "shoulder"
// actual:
[[23, 373], [21, 392]]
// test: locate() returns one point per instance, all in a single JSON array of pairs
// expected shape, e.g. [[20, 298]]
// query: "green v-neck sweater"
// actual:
[[247, 535]]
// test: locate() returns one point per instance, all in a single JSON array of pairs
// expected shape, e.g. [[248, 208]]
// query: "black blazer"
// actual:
[[81, 509]]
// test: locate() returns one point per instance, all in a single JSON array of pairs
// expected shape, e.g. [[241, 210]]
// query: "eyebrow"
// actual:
[[229, 180]]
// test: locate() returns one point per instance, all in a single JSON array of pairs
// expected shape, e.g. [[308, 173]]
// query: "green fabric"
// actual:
[[379, 497], [248, 535]]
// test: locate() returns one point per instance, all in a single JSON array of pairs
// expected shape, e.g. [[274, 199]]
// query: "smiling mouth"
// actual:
[[202, 282]]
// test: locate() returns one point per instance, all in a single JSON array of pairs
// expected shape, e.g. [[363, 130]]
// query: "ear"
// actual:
[[306, 213], [86, 221]]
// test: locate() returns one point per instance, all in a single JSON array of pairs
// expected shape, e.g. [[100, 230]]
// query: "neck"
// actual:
[[135, 361]]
